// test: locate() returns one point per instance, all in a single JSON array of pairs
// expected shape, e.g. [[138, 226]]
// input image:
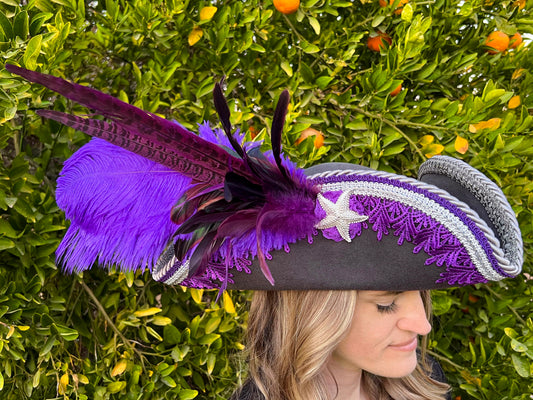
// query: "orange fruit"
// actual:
[[497, 41], [399, 8], [396, 91], [376, 41], [319, 137], [472, 298], [287, 6], [520, 4], [253, 132], [515, 40]]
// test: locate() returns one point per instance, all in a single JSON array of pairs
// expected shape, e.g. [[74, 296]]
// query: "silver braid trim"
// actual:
[[493, 200], [436, 211], [166, 261]]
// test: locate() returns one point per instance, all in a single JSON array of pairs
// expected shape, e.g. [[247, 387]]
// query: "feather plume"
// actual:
[[141, 132], [118, 204], [216, 201], [255, 206]]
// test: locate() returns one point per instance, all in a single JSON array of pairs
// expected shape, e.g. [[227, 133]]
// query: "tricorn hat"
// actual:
[[208, 211]]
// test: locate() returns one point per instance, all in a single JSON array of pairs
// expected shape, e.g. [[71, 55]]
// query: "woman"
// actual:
[[345, 253], [339, 345]]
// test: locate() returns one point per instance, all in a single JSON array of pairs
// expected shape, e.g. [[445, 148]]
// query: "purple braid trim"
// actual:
[[414, 226], [216, 272], [442, 202]]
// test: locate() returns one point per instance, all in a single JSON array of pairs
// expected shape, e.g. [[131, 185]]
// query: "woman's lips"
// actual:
[[410, 345]]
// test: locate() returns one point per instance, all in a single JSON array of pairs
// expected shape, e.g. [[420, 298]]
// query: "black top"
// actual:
[[250, 391]]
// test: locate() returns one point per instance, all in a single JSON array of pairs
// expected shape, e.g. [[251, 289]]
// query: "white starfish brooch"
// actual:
[[339, 215]]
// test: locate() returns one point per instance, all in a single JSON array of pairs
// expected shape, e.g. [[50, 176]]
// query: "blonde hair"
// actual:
[[291, 335]]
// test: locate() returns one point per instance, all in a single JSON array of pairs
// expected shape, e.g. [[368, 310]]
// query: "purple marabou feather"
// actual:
[[119, 204]]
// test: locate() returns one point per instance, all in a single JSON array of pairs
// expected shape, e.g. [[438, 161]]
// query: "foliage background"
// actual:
[[113, 335]]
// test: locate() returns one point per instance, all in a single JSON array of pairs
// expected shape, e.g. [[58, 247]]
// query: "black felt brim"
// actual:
[[364, 264], [367, 263]]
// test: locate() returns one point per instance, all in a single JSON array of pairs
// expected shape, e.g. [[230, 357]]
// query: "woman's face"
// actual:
[[383, 336]]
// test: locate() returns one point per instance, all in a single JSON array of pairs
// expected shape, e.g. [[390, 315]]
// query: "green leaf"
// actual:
[[153, 333], [357, 126], [483, 315], [167, 370], [9, 113], [377, 20], [472, 352], [208, 339], [50, 342], [6, 29], [466, 9], [521, 365], [66, 333], [167, 380], [115, 387], [427, 71], [6, 244], [212, 324], [171, 335], [518, 346], [37, 21], [33, 50], [197, 295], [493, 94], [211, 360], [511, 333], [111, 8], [392, 150], [257, 47], [161, 321], [188, 394], [310, 48], [314, 24], [286, 67], [407, 12], [206, 88], [21, 25], [323, 81]]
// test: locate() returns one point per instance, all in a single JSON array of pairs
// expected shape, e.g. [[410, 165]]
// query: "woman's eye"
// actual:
[[389, 308]]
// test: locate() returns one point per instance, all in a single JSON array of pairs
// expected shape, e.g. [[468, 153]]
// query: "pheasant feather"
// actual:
[[143, 133], [208, 198]]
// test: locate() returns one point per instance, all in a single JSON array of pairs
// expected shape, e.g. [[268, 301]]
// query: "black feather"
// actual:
[[224, 114], [277, 128]]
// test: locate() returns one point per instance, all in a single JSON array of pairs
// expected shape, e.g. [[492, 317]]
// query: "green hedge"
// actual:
[[110, 335]]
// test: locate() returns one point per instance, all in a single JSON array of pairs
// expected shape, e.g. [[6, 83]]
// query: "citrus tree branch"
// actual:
[[102, 311], [392, 124]]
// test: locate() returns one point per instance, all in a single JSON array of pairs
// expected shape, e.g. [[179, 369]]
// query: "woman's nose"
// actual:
[[414, 319]]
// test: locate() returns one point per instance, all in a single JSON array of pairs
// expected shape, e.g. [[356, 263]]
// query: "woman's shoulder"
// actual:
[[248, 391], [437, 373]]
